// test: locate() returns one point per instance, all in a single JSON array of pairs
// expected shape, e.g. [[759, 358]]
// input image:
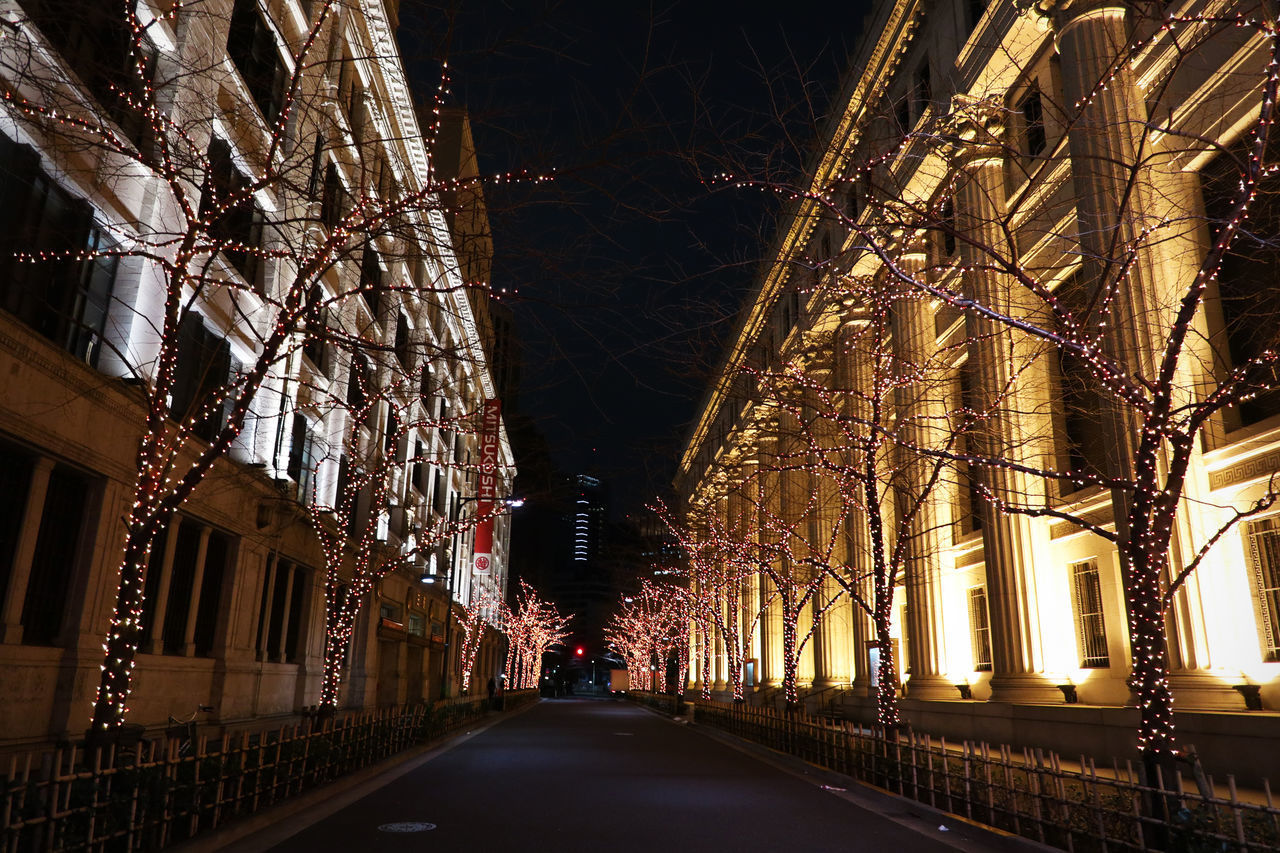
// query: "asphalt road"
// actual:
[[601, 775]]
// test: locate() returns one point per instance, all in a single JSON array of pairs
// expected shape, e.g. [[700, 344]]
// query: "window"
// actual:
[[236, 229], [185, 621], [420, 468], [95, 41], [922, 92], [902, 114], [1091, 628], [251, 44], [317, 330], [1264, 545], [402, 341], [1032, 110], [316, 181], [201, 383], [282, 610], [393, 432], [371, 278], [15, 481], [947, 223], [358, 386], [64, 299], [333, 201], [302, 458], [439, 492], [417, 625], [1080, 437], [973, 12], [1248, 287], [980, 629]]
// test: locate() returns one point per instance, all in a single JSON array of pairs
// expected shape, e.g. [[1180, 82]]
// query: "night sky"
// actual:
[[626, 270]]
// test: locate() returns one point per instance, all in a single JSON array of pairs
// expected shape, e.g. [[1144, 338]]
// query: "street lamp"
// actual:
[[511, 502]]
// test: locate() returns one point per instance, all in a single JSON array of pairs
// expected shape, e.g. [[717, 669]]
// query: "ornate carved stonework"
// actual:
[[974, 127]]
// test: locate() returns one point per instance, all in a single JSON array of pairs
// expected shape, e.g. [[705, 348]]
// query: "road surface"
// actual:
[[603, 775]]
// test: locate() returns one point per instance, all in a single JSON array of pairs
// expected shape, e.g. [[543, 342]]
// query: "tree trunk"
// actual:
[[121, 645]]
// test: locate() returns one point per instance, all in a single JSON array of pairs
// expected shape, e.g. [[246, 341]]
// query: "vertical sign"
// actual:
[[490, 418]]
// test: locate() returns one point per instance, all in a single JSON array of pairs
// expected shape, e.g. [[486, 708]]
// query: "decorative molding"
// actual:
[[1100, 517], [1249, 469]]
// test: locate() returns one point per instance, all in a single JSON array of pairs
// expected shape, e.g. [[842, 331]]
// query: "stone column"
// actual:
[[719, 656], [197, 582], [853, 373], [768, 483], [271, 571], [24, 551], [830, 665], [1004, 386], [922, 411], [750, 618], [291, 579], [161, 605], [1104, 143]]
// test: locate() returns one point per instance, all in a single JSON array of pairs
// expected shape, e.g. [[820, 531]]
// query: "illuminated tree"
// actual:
[[533, 627], [717, 600], [850, 415], [648, 630], [269, 202], [477, 618], [373, 465], [1114, 330]]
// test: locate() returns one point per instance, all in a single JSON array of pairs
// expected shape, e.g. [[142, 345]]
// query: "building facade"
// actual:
[[988, 170], [187, 107]]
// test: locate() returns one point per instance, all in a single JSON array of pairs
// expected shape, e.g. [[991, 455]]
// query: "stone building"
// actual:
[[235, 590], [1016, 155]]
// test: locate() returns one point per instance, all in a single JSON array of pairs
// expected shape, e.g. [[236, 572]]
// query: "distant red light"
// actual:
[[579, 651]]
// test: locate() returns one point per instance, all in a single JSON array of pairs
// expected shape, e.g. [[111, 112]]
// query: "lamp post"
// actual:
[[454, 517]]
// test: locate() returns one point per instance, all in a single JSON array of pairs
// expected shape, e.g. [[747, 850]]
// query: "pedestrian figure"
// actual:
[[493, 688]]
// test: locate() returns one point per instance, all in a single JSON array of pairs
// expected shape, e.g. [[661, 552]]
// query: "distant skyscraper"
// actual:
[[586, 521]]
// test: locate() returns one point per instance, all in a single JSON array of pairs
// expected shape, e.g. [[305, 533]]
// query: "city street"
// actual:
[[596, 774]]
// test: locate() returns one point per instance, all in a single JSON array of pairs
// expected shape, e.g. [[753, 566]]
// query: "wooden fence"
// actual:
[[1033, 793], [163, 790]]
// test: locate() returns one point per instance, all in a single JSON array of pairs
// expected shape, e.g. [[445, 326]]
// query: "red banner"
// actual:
[[487, 492]]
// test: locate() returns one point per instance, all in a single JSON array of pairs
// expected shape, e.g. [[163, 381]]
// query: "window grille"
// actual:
[[980, 629], [1264, 543], [1091, 628]]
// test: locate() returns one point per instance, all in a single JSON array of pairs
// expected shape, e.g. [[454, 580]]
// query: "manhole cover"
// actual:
[[407, 826]]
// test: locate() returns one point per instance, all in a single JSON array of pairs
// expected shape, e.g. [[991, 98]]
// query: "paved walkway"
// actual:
[[602, 775]]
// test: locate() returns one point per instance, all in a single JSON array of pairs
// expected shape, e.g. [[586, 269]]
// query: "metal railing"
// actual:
[[159, 791], [1075, 806]]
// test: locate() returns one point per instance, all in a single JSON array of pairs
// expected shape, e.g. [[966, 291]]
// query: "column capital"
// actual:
[[976, 130], [1057, 14]]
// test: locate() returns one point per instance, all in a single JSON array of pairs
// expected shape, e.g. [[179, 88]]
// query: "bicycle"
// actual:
[[184, 730]]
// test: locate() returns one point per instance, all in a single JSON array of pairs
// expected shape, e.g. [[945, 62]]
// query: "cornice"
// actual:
[[862, 94]]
